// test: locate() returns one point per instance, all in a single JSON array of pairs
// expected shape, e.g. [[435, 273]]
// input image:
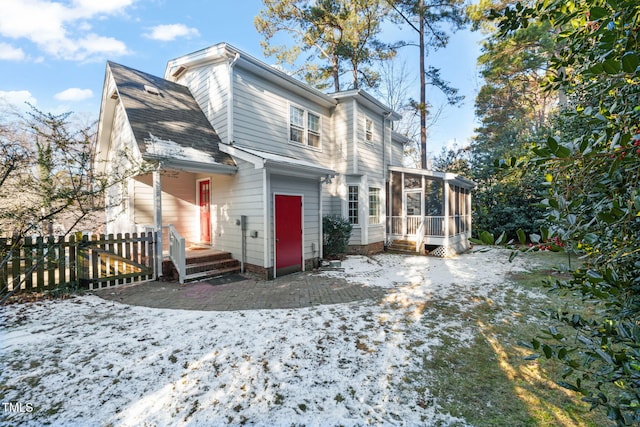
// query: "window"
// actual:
[[368, 130], [296, 119], [304, 127], [353, 204], [374, 205], [313, 130]]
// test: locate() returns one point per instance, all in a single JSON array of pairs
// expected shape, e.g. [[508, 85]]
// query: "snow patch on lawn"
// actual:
[[87, 361]]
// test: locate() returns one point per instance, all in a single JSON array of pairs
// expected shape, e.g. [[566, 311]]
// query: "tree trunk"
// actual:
[[336, 74], [423, 97]]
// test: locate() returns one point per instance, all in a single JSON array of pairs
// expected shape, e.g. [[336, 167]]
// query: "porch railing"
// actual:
[[410, 225], [420, 235], [178, 252]]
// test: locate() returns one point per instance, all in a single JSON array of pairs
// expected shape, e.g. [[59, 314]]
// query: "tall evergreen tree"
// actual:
[[339, 37], [427, 18], [513, 107]]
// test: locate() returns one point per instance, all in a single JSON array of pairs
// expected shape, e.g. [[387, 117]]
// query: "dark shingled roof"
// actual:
[[171, 115]]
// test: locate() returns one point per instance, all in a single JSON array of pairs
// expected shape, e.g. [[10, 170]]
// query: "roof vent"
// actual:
[[178, 72], [152, 90]]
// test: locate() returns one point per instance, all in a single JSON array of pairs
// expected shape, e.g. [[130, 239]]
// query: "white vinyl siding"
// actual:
[[209, 86], [118, 209], [231, 197], [397, 154], [262, 120], [370, 155], [178, 202]]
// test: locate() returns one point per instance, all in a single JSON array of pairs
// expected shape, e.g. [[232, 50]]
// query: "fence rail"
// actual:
[[84, 262]]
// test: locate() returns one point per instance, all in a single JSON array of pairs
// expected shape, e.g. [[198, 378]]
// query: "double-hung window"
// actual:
[[374, 206], [368, 130], [353, 204], [304, 127]]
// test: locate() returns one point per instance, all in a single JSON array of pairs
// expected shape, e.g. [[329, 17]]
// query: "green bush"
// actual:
[[336, 234]]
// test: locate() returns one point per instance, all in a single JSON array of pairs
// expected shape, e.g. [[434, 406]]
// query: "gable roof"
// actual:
[[166, 120], [226, 52]]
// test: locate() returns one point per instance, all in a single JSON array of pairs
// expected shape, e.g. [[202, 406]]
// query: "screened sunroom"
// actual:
[[431, 209]]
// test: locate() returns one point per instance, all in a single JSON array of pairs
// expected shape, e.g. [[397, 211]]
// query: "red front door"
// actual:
[[288, 223], [204, 192]]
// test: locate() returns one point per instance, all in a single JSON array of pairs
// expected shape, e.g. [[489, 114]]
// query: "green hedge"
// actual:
[[336, 233]]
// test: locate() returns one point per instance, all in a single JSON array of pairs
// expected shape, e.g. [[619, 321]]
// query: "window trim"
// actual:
[[377, 204], [353, 205], [305, 128], [368, 133]]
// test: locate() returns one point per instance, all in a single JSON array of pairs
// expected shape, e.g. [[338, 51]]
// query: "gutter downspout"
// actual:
[[230, 100]]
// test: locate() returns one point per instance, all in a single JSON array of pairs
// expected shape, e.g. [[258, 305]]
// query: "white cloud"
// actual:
[[10, 53], [95, 43], [60, 29], [171, 32], [89, 8], [74, 94], [16, 98]]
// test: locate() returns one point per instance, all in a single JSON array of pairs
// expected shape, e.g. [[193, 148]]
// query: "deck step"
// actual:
[[210, 265], [203, 264], [402, 246]]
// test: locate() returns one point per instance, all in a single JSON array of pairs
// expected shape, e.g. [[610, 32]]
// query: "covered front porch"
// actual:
[[429, 210]]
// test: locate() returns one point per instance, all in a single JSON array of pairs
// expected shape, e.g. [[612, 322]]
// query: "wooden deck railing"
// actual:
[[433, 225]]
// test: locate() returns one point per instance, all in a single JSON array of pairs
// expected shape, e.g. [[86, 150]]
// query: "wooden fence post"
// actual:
[[51, 262], [95, 257], [39, 264], [28, 262], [16, 245], [4, 262], [82, 260]]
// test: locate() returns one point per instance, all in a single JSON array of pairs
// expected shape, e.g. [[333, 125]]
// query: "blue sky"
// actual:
[[53, 53]]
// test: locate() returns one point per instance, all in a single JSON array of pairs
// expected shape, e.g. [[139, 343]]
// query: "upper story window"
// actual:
[[304, 127], [368, 130]]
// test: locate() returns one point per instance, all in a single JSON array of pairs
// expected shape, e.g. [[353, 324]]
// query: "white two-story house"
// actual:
[[242, 157]]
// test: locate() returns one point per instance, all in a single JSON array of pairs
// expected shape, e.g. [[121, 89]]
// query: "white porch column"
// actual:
[[157, 218], [467, 211], [423, 205], [389, 213], [404, 207], [445, 186]]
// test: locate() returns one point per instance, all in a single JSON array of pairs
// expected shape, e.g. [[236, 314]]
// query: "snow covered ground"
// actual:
[[87, 361]]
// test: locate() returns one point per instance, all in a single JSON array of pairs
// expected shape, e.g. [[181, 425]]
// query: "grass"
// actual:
[[488, 381]]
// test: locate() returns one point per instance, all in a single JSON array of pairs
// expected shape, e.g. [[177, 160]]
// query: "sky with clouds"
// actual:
[[53, 53]]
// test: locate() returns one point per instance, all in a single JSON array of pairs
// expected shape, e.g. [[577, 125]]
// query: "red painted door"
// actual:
[[288, 223], [204, 192]]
